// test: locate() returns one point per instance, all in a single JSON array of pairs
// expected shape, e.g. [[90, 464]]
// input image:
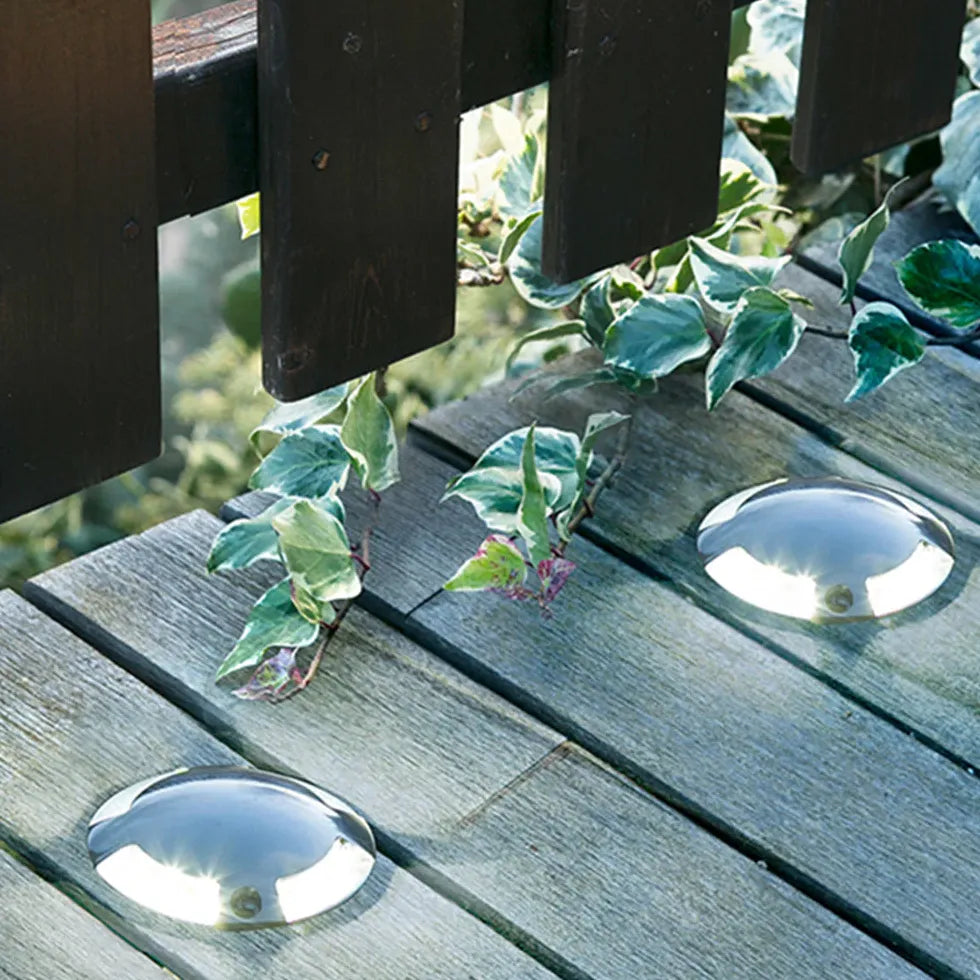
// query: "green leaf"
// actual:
[[532, 285], [532, 514], [555, 331], [597, 310], [273, 622], [723, 278], [518, 181], [368, 433], [959, 176], [762, 334], [244, 542], [495, 484], [594, 427], [857, 250], [944, 279], [241, 303], [657, 335], [761, 87], [497, 565], [249, 215], [514, 235], [310, 463], [737, 146], [970, 50], [317, 555], [883, 343], [293, 416], [738, 186]]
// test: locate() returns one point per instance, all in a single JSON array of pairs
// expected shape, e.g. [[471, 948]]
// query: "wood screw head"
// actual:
[[131, 230], [320, 159], [352, 43], [423, 122]]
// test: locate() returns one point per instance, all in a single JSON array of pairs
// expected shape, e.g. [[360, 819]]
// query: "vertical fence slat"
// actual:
[[79, 346], [634, 128], [874, 73], [358, 116]]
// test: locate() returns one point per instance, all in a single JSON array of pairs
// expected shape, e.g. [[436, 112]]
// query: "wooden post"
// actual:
[[358, 116], [637, 102], [874, 73], [79, 347]]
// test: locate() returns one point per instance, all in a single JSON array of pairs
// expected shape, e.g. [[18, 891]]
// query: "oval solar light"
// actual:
[[825, 549], [229, 847]]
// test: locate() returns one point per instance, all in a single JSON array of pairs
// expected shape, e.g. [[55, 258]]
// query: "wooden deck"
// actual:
[[659, 782]]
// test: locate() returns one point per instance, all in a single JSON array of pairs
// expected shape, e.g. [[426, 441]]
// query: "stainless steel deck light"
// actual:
[[825, 549], [231, 848]]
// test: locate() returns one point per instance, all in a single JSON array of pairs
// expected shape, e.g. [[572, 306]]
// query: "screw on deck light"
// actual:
[[231, 847], [825, 549]]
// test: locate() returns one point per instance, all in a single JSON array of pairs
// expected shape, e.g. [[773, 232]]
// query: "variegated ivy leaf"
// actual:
[[368, 434], [532, 284], [594, 427], [763, 333], [519, 181], [310, 463], [777, 28], [724, 278], [737, 146], [244, 542], [289, 417], [554, 574], [944, 279], [317, 555], [857, 250], [532, 512], [555, 331], [883, 343], [761, 87], [738, 186], [597, 310], [970, 49], [656, 335], [273, 622], [272, 678], [514, 233], [959, 176], [495, 485], [498, 564]]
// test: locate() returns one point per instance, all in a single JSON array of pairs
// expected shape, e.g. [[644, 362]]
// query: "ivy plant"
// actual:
[[311, 449]]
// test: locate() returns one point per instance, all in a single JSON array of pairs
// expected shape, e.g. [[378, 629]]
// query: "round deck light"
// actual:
[[232, 848], [825, 549]]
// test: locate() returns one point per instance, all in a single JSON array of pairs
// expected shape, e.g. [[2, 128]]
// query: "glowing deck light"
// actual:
[[917, 577], [765, 586], [329, 882], [163, 889]]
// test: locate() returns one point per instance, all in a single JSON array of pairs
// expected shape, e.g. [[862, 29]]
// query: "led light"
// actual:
[[133, 872], [229, 847], [765, 586], [825, 549]]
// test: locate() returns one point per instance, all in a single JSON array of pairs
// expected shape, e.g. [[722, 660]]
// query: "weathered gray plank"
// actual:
[[75, 728], [46, 935], [524, 848], [922, 426], [693, 708], [919, 666], [923, 222]]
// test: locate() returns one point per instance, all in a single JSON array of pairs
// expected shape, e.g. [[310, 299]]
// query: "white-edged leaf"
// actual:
[[723, 278], [368, 434], [498, 565], [532, 513], [883, 343], [310, 463]]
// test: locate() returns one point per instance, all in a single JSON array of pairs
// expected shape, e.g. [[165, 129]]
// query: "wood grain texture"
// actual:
[[564, 851], [636, 100], [359, 112], [46, 935], [75, 728], [873, 74], [769, 755], [79, 371], [922, 222]]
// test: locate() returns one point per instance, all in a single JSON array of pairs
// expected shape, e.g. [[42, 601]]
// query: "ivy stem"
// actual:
[[957, 341], [604, 480]]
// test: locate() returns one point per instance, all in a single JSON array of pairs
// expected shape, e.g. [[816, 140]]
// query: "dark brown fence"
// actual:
[[349, 112]]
